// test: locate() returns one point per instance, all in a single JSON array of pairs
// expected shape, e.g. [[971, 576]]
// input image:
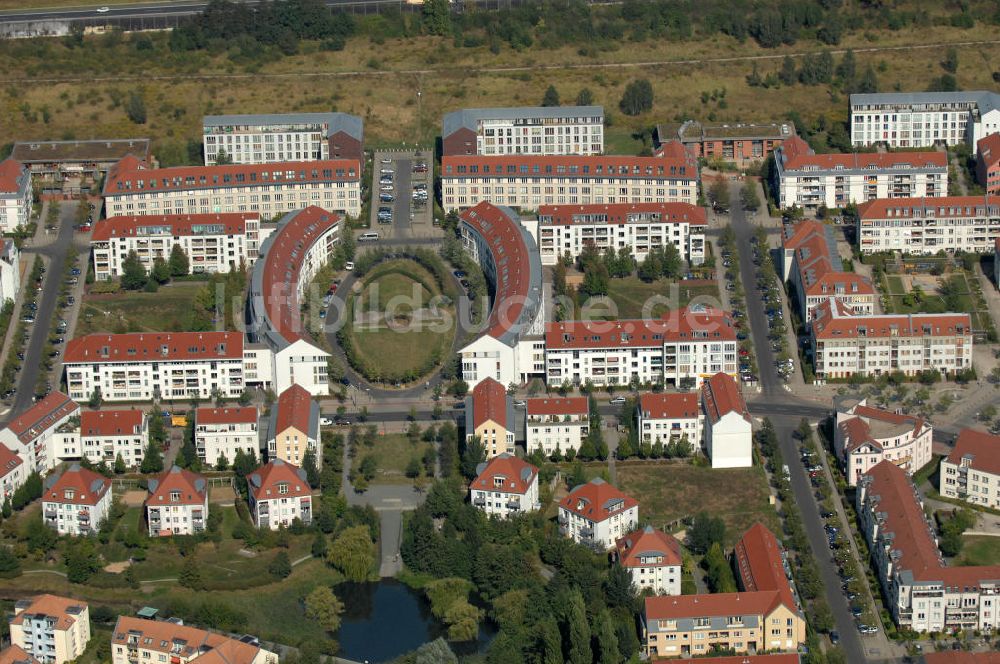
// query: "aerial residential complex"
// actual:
[[528, 182], [809, 180], [143, 640], [556, 423], [219, 433], [279, 494], [918, 119], [971, 472], [35, 436], [489, 416], [565, 230], [743, 144], [53, 161], [927, 226], [597, 514], [814, 267], [213, 243], [663, 417], [293, 428], [15, 195], [76, 501], [653, 559], [844, 344], [864, 436], [923, 593], [505, 486], [106, 435], [177, 503], [12, 472], [536, 130], [133, 188], [270, 138], [51, 629]]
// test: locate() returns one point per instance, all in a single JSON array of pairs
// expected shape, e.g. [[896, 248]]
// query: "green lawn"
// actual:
[[167, 310], [392, 453], [671, 491], [979, 550], [631, 294]]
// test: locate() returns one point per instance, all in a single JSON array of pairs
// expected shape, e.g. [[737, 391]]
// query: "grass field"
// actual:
[[393, 452], [670, 491], [631, 294], [167, 310], [934, 302], [979, 550]]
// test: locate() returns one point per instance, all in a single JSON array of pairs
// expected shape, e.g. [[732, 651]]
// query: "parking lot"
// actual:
[[402, 194]]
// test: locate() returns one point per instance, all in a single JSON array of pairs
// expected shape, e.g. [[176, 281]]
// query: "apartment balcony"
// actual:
[[514, 505], [587, 532], [563, 520], [479, 501], [51, 513]]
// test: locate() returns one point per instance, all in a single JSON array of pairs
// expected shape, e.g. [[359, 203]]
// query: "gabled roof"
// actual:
[[835, 321], [703, 324], [543, 406], [16, 655], [264, 481], [819, 266], [42, 416], [8, 461], [505, 474], [87, 487], [568, 166], [870, 426], [63, 609], [648, 542], [941, 207], [761, 602], [597, 500], [191, 487], [111, 422], [760, 563], [169, 637], [983, 450], [796, 155], [175, 225], [622, 213], [721, 396], [155, 347], [490, 402], [210, 416], [296, 408], [669, 405], [988, 149], [12, 175]]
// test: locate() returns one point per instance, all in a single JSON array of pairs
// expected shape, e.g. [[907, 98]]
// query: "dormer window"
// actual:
[[175, 496], [498, 481], [68, 494], [282, 487]]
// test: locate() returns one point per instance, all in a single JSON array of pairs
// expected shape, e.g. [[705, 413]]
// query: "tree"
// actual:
[[473, 455], [950, 62], [577, 629], [705, 531], [787, 73], [319, 545], [413, 468], [10, 566], [548, 642], [749, 196], [179, 263], [135, 108], [133, 273], [81, 560], [157, 430], [868, 82], [323, 606], [607, 640], [718, 194], [847, 69], [585, 97], [437, 17], [436, 652], [95, 398], [161, 271], [280, 566], [152, 460], [119, 464], [190, 576], [671, 263], [720, 575], [551, 97], [353, 553], [619, 589], [637, 98], [309, 465]]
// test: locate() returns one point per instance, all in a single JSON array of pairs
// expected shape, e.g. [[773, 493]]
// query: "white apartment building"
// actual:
[[140, 640], [76, 502], [641, 227], [290, 258], [177, 503], [213, 243], [971, 472], [132, 188], [665, 417], [683, 348], [13, 473], [15, 195], [107, 434], [267, 138], [51, 629], [918, 119], [160, 365], [918, 226], [556, 423], [505, 486], [809, 180], [36, 435], [597, 514], [222, 432], [728, 425], [535, 130], [279, 494], [864, 436], [528, 182], [653, 559], [844, 344], [511, 347], [924, 594], [10, 271]]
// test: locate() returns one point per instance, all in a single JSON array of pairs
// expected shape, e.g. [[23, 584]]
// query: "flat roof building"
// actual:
[[268, 138], [538, 130]]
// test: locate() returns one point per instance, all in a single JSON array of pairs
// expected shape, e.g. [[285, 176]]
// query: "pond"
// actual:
[[384, 620]]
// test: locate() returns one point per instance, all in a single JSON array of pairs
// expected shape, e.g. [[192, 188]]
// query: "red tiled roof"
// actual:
[[179, 224], [16, 655], [760, 565], [672, 406], [988, 149], [864, 413], [646, 542], [132, 176], [88, 487], [42, 415], [597, 500], [722, 396], [162, 636], [8, 460], [517, 475], [283, 263], [622, 213], [10, 172], [916, 208], [839, 323], [672, 148], [225, 415], [575, 166], [52, 606], [489, 402], [760, 602], [111, 422], [798, 156], [814, 263], [191, 486], [640, 333], [901, 516], [557, 406], [264, 481], [777, 658], [962, 657], [513, 263], [154, 347], [982, 447], [294, 407]]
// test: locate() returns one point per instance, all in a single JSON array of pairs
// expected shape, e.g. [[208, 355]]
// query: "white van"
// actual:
[[368, 237]]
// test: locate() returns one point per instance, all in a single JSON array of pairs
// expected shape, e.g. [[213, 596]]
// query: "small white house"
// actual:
[[597, 514], [504, 486], [668, 417], [653, 559], [76, 502], [728, 425], [279, 494], [107, 434], [556, 424]]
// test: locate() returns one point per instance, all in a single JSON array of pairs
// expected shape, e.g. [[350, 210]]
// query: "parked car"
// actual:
[[617, 401], [325, 421]]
